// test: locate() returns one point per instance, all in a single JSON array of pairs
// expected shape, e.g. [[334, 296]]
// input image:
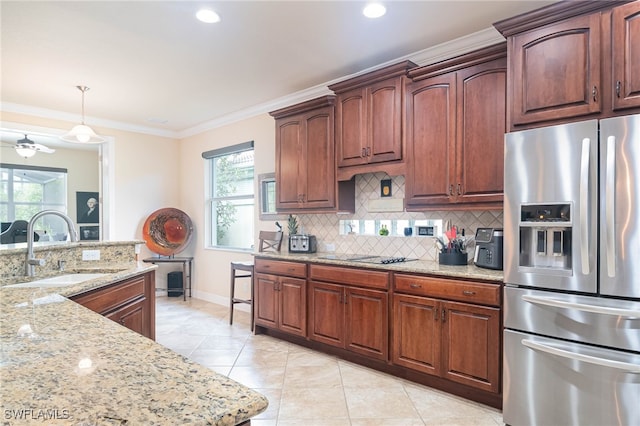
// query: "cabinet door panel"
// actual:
[[266, 304], [105, 300], [367, 322], [293, 306], [288, 155], [132, 316], [320, 162], [385, 133], [326, 319], [471, 339], [626, 55], [416, 334], [350, 128], [555, 71], [482, 123], [431, 137]]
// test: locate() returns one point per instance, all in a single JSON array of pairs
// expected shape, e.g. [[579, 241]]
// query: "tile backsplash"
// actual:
[[326, 227]]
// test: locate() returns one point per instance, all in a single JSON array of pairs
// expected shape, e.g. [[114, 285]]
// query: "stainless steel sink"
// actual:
[[58, 281]]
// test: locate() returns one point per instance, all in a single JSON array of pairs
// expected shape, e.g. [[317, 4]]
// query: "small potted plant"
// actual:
[[292, 224]]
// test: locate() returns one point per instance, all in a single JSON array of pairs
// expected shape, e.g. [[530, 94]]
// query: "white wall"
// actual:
[[211, 267]]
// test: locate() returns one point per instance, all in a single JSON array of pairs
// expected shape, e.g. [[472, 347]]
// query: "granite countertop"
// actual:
[[414, 266], [64, 364]]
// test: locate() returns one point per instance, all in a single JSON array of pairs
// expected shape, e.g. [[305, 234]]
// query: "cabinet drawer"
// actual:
[[106, 299], [465, 291], [349, 276], [278, 267]]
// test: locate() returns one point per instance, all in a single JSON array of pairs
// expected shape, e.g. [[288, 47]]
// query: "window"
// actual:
[[26, 190], [230, 199]]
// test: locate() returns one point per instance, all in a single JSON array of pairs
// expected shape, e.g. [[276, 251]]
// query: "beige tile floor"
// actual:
[[305, 387]]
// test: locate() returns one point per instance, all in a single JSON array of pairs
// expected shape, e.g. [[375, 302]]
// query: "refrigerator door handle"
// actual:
[[584, 205], [609, 206], [604, 310], [618, 365]]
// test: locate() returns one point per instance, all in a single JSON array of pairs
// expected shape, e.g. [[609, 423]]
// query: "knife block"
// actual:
[[453, 258]]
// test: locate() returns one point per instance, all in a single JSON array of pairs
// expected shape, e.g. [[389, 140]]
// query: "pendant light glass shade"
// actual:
[[82, 133], [25, 152]]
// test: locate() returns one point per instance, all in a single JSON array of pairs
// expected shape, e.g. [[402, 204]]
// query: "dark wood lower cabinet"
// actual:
[[350, 318], [441, 332], [326, 313], [416, 334], [366, 319], [281, 303], [130, 302], [471, 345], [131, 316]]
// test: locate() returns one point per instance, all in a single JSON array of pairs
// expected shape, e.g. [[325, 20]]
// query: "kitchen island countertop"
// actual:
[[64, 364], [414, 266]]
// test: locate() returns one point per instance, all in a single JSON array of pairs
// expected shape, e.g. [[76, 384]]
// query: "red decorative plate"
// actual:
[[167, 231]]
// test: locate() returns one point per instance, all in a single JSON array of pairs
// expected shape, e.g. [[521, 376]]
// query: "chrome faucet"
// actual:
[[31, 258]]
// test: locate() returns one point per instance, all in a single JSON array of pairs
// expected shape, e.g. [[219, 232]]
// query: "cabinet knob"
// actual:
[[414, 285], [450, 189], [594, 93], [468, 293], [618, 87], [363, 153], [459, 189], [368, 151], [444, 318]]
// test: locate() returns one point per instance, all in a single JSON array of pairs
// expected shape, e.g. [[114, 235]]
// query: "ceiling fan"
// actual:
[[25, 147]]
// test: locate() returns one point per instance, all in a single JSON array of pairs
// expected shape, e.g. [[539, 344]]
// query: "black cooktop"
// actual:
[[365, 258]]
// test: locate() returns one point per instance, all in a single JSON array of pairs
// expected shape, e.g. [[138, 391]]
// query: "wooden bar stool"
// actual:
[[269, 241]]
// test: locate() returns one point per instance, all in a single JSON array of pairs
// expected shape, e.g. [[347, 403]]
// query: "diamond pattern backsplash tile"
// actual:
[[326, 227]]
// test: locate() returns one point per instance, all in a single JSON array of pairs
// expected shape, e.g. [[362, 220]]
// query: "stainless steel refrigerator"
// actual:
[[572, 274]]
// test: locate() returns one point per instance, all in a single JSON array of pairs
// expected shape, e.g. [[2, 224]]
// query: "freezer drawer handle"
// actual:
[[618, 365], [604, 310]]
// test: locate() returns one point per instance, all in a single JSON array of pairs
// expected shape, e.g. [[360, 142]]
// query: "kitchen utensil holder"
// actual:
[[452, 258]]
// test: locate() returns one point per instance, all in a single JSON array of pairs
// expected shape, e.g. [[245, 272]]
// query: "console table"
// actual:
[[187, 268]]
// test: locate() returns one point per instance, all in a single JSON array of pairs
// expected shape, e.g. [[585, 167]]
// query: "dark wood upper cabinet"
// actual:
[[369, 111], [556, 70], [571, 61], [456, 121], [305, 159], [625, 31]]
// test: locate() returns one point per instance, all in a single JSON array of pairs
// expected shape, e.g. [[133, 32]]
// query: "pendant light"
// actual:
[[82, 133]]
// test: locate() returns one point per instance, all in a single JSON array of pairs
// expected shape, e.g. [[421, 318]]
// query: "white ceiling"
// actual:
[[152, 60]]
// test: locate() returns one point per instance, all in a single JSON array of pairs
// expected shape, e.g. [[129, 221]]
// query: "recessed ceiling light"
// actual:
[[374, 10], [208, 16]]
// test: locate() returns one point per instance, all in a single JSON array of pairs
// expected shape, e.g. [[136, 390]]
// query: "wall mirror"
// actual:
[[89, 168], [267, 197]]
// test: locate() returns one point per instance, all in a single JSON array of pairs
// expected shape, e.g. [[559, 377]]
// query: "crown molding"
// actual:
[[75, 118]]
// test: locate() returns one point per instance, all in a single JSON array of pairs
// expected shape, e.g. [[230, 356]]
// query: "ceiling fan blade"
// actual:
[[42, 148]]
